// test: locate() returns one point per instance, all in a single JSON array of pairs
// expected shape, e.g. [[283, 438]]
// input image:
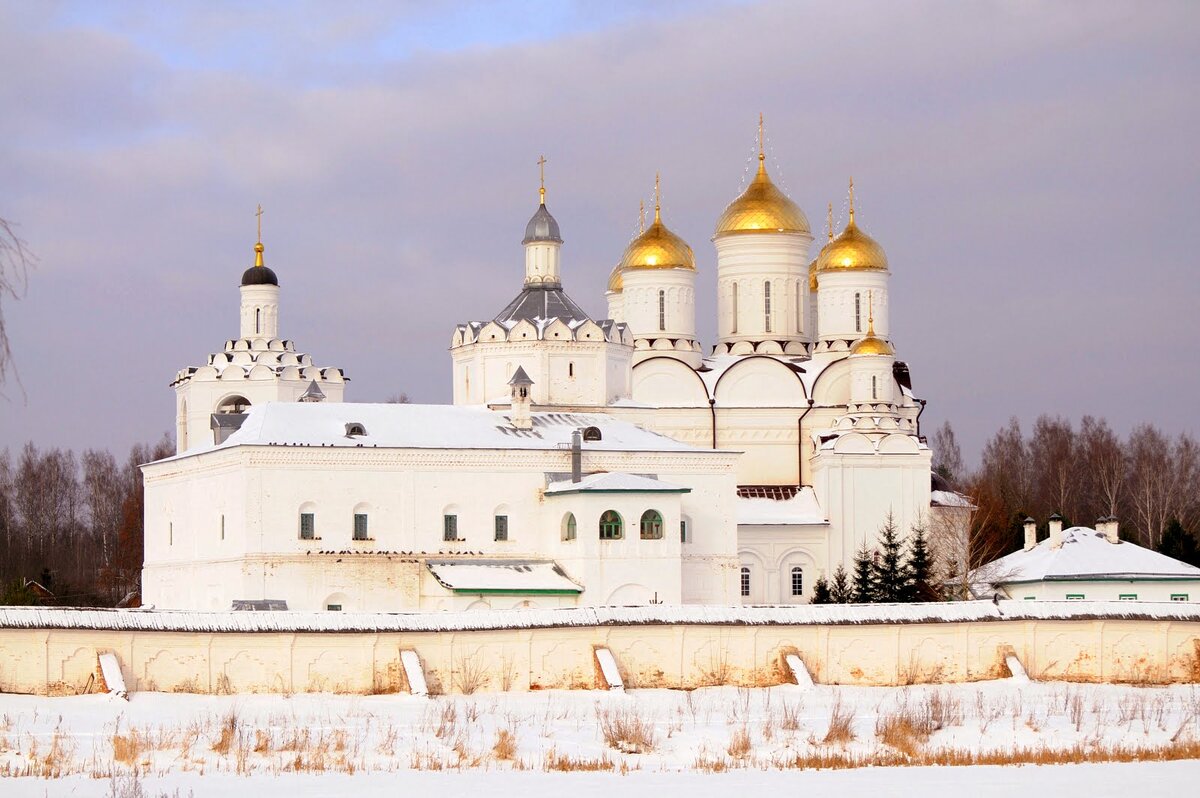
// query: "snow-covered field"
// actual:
[[641, 743]]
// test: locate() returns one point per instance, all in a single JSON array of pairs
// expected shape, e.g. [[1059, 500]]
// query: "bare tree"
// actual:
[[1104, 468], [15, 262], [1053, 461], [947, 456], [397, 399], [1151, 482]]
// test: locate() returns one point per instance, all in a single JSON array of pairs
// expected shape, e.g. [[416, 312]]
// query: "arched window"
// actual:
[[568, 527], [611, 526], [233, 404], [745, 581], [858, 312], [797, 581], [652, 525], [735, 310], [662, 310], [450, 523], [767, 305]]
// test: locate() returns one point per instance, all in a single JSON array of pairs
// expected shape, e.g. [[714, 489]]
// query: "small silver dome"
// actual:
[[542, 227]]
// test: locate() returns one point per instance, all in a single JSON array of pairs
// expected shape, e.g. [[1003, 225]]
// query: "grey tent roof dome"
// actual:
[[542, 227]]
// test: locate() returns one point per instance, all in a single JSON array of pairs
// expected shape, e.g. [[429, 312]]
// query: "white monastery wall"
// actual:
[[1093, 644]]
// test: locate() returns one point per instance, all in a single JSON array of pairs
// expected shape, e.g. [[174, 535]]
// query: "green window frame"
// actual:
[[611, 525], [501, 526], [1127, 597], [360, 526], [308, 526], [1074, 597], [1179, 597], [652, 525], [450, 527]]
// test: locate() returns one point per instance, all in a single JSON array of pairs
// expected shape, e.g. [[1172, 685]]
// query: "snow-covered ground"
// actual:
[[641, 743]]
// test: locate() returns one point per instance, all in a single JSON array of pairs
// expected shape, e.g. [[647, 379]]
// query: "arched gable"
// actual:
[[854, 443], [668, 382], [557, 331], [760, 381], [493, 332], [898, 444], [832, 386]]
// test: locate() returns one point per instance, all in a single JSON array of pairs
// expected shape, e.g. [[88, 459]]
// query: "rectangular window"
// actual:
[[1030, 598], [170, 534], [1128, 597], [222, 527], [308, 526], [683, 536], [767, 306], [745, 582], [662, 310], [1074, 597], [1179, 597], [502, 527], [333, 607], [360, 526], [733, 325], [449, 527], [797, 582]]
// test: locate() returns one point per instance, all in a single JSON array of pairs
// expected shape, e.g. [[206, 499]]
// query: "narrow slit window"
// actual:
[[874, 387], [735, 310], [767, 306], [662, 310], [799, 293], [858, 312], [222, 527]]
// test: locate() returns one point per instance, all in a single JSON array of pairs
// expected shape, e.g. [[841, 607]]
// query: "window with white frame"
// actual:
[[797, 581], [745, 581]]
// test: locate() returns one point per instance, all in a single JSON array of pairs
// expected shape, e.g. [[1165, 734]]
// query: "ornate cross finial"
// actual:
[[829, 222], [762, 153], [258, 248], [641, 216], [851, 200], [871, 313], [657, 199], [541, 161]]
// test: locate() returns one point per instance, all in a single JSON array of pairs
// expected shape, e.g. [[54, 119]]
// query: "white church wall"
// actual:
[[771, 551], [845, 301], [750, 261]]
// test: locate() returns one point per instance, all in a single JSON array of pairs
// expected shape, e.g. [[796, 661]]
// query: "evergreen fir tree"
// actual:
[[863, 591], [839, 591], [917, 587], [821, 591], [1177, 542], [889, 572]]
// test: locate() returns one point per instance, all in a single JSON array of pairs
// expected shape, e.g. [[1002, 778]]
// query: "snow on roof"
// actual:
[[651, 615], [1085, 554], [502, 576], [809, 369], [803, 508], [615, 482], [949, 498], [410, 426]]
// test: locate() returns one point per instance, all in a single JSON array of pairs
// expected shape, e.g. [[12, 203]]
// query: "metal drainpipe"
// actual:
[[712, 406], [919, 412], [800, 443]]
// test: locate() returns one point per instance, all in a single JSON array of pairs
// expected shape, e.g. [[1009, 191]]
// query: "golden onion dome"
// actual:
[[656, 247], [762, 208], [812, 276], [872, 345], [852, 250], [615, 284]]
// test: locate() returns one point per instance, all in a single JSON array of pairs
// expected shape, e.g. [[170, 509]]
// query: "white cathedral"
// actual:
[[583, 461]]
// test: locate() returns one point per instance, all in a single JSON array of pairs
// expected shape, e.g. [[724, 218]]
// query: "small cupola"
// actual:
[[522, 399]]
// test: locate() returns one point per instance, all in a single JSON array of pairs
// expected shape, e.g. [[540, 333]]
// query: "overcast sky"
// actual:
[[1032, 169]]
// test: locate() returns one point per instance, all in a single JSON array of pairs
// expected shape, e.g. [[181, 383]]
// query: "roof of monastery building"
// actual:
[[610, 482], [1086, 555], [502, 576], [408, 426], [541, 303], [800, 508]]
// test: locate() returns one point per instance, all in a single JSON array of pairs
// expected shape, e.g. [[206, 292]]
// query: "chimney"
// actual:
[[576, 456], [1111, 529], [1030, 534], [1056, 536], [522, 401]]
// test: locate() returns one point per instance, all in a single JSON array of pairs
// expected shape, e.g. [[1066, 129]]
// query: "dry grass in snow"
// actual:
[[709, 731]]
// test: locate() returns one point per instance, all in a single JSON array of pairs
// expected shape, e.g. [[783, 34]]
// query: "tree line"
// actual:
[[1148, 481], [72, 524]]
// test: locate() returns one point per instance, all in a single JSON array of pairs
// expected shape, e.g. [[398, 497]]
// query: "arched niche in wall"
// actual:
[[760, 382], [668, 382]]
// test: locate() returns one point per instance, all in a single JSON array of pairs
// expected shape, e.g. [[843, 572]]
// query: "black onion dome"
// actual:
[[542, 227], [259, 275]]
